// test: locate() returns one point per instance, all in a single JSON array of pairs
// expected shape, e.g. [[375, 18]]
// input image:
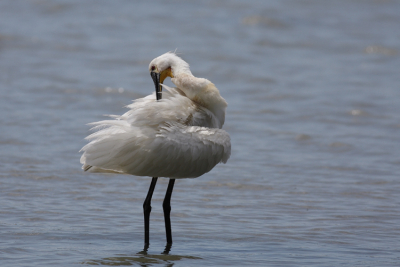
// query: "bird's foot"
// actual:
[[167, 249], [145, 248]]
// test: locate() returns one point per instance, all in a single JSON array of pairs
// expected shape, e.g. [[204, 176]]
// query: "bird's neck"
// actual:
[[203, 92], [180, 67]]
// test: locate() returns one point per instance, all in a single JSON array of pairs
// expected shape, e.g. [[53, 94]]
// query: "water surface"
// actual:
[[314, 117]]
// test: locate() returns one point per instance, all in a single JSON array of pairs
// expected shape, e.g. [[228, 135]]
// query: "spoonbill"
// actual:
[[177, 136]]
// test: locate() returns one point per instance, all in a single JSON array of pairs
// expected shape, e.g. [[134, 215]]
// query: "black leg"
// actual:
[[167, 210], [167, 249], [146, 211]]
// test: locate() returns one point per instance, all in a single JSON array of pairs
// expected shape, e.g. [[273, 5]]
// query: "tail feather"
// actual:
[[86, 167]]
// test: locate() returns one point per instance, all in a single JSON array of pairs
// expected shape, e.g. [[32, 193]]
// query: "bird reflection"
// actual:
[[146, 248], [142, 258]]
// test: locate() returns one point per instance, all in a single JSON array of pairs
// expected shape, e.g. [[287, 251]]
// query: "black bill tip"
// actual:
[[156, 79]]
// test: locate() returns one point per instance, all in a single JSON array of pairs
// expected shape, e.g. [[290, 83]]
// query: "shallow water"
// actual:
[[314, 117]]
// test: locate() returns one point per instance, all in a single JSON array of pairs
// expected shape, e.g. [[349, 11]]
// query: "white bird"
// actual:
[[178, 136]]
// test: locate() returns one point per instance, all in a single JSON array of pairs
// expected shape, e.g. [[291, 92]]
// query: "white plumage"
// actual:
[[178, 136]]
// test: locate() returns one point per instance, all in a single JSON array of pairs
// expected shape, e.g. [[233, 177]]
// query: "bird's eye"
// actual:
[[153, 67]]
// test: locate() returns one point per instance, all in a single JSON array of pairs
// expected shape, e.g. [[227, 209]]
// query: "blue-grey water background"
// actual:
[[314, 115]]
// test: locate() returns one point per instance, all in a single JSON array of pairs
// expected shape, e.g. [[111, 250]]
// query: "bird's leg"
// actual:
[[167, 210], [146, 211], [167, 249]]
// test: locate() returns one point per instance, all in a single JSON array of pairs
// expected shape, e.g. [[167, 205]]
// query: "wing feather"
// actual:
[[173, 137]]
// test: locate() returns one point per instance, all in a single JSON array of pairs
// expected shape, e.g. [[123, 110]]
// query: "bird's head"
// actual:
[[166, 65]]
